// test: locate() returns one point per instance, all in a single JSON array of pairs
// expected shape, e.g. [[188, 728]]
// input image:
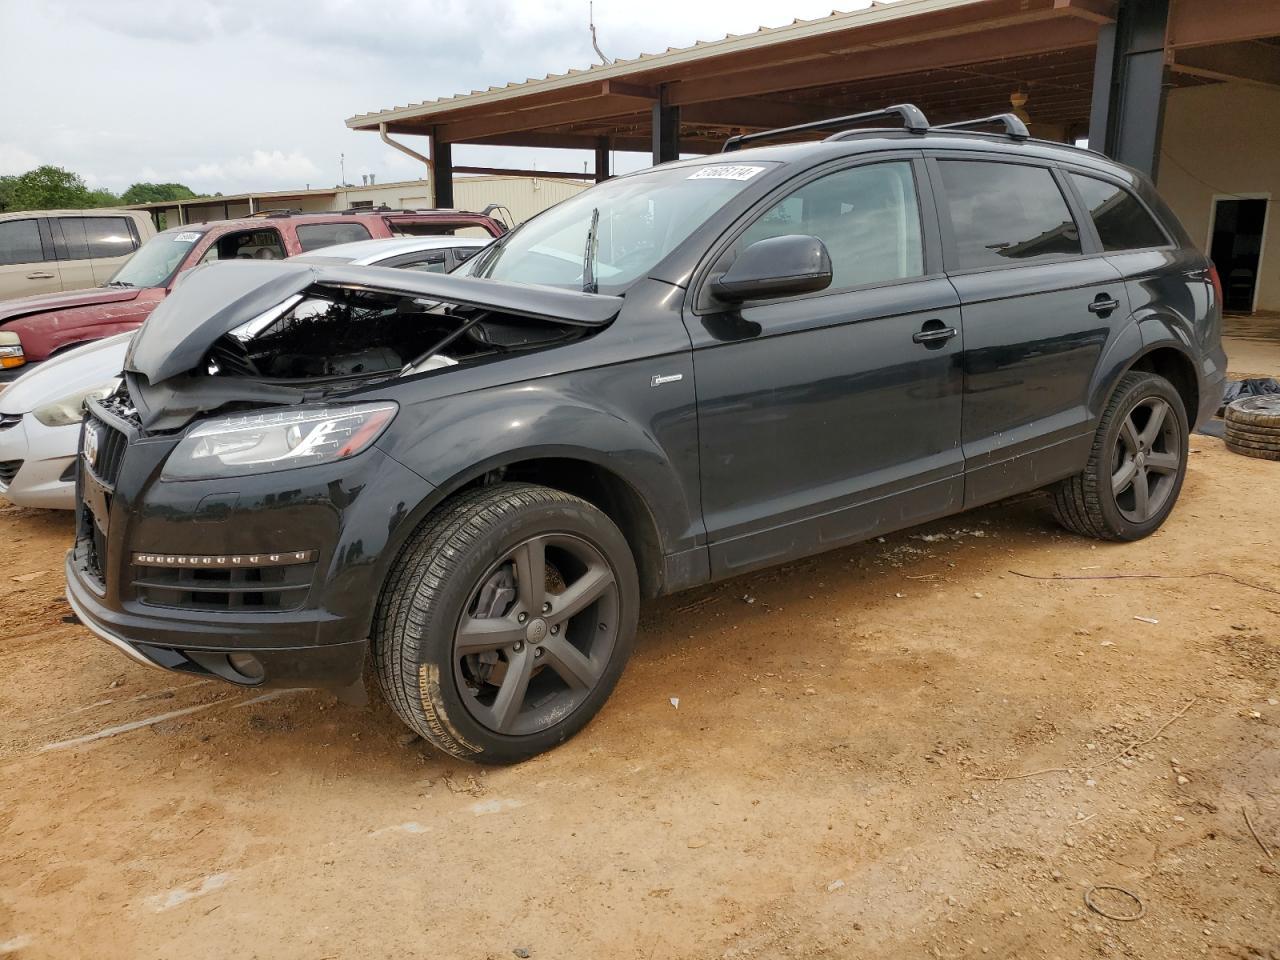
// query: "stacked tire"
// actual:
[[1253, 427]]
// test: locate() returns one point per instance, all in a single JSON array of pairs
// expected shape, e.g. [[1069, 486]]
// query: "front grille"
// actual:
[[238, 588], [111, 447], [8, 470], [8, 420]]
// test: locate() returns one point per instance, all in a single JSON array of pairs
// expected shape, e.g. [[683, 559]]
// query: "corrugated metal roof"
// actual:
[[621, 69]]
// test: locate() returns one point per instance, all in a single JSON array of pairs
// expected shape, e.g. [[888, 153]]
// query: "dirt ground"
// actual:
[[823, 789]]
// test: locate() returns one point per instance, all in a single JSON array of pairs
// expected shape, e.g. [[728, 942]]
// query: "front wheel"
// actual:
[[1136, 466], [506, 622]]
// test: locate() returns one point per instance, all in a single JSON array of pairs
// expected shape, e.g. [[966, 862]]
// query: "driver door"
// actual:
[[830, 417]]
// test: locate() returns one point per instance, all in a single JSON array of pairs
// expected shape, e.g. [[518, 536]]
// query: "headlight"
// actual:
[[279, 440], [70, 409], [11, 354]]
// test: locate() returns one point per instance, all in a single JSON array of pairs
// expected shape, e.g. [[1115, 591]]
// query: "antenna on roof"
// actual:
[[591, 20]]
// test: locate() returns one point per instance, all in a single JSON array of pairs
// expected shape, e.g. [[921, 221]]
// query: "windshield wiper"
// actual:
[[589, 284], [117, 283]]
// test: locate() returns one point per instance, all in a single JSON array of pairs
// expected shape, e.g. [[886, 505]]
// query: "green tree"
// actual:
[[157, 192], [50, 188]]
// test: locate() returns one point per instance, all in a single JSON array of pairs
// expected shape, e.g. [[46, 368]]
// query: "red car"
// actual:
[[35, 328]]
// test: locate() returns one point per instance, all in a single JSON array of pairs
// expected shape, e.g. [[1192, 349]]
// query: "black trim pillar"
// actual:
[[666, 132], [602, 160], [441, 171], [1128, 85]]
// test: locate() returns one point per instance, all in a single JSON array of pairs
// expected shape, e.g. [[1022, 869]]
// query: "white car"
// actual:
[[40, 411], [40, 421], [438, 254]]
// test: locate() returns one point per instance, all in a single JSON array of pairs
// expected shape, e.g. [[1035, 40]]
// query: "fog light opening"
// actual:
[[247, 665]]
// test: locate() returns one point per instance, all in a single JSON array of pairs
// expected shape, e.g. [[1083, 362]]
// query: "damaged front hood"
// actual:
[[217, 298]]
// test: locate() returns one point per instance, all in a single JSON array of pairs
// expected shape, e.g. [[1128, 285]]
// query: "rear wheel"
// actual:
[[506, 622], [1136, 466]]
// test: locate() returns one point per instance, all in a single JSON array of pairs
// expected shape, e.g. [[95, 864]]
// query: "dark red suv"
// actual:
[[34, 328]]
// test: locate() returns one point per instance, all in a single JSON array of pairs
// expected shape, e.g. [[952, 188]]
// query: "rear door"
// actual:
[[27, 262], [828, 417], [1039, 302], [72, 244]]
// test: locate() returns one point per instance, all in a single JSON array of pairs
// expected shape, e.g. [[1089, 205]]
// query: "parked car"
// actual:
[[32, 329], [426, 254], [49, 251], [40, 416], [676, 376], [40, 412]]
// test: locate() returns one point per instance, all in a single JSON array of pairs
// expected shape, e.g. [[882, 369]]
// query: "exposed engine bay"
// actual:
[[245, 334], [336, 333]]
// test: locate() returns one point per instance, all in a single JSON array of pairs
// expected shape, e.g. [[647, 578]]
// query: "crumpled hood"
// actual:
[[216, 298], [79, 369], [47, 302]]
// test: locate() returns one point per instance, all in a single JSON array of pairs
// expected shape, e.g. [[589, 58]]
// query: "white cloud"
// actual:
[[239, 95], [13, 159], [267, 167]]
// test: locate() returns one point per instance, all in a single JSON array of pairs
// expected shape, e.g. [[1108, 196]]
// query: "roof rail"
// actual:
[[1014, 128], [912, 118]]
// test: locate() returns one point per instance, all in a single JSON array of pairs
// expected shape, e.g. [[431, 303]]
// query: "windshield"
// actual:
[[638, 220], [155, 261]]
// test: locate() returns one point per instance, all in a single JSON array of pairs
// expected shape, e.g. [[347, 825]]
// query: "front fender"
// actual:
[[646, 437]]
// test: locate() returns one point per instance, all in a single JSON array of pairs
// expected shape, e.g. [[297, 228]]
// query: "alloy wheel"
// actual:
[[1147, 459], [536, 636]]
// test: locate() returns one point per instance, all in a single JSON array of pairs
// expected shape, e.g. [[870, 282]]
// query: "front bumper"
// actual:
[[44, 459], [305, 623], [162, 642]]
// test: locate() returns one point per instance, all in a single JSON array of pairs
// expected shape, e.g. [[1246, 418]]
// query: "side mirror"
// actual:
[[775, 267]]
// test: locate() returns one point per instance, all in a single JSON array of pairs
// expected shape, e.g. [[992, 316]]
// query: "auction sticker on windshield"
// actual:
[[726, 171], [186, 238]]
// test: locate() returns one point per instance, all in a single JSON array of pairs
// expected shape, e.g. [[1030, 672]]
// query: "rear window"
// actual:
[[313, 236], [20, 242], [1003, 213], [82, 238], [1122, 222], [108, 236]]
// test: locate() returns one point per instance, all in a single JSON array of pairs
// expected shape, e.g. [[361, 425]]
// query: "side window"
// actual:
[[313, 236], [246, 245], [20, 242], [433, 262], [867, 216], [69, 238], [108, 236], [1004, 213], [1122, 222]]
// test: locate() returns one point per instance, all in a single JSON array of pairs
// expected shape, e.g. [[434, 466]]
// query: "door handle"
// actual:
[[39, 275], [1103, 303], [933, 334]]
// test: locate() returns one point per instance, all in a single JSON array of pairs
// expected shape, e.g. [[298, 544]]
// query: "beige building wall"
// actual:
[[1223, 139], [522, 196]]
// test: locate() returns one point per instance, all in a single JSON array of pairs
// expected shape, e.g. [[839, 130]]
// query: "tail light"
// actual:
[[1217, 283]]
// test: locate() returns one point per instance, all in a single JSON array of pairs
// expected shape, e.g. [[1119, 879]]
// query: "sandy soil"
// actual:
[[821, 790]]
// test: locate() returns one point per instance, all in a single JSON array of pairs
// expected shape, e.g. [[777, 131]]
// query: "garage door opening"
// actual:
[[1235, 246]]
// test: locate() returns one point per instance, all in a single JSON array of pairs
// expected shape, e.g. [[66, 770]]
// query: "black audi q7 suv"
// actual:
[[675, 377]]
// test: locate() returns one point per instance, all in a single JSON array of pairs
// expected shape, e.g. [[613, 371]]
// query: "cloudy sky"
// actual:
[[236, 95]]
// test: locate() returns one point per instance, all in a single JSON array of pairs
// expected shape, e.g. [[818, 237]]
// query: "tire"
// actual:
[[1252, 435], [459, 629], [1096, 502], [1258, 453], [1254, 412]]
